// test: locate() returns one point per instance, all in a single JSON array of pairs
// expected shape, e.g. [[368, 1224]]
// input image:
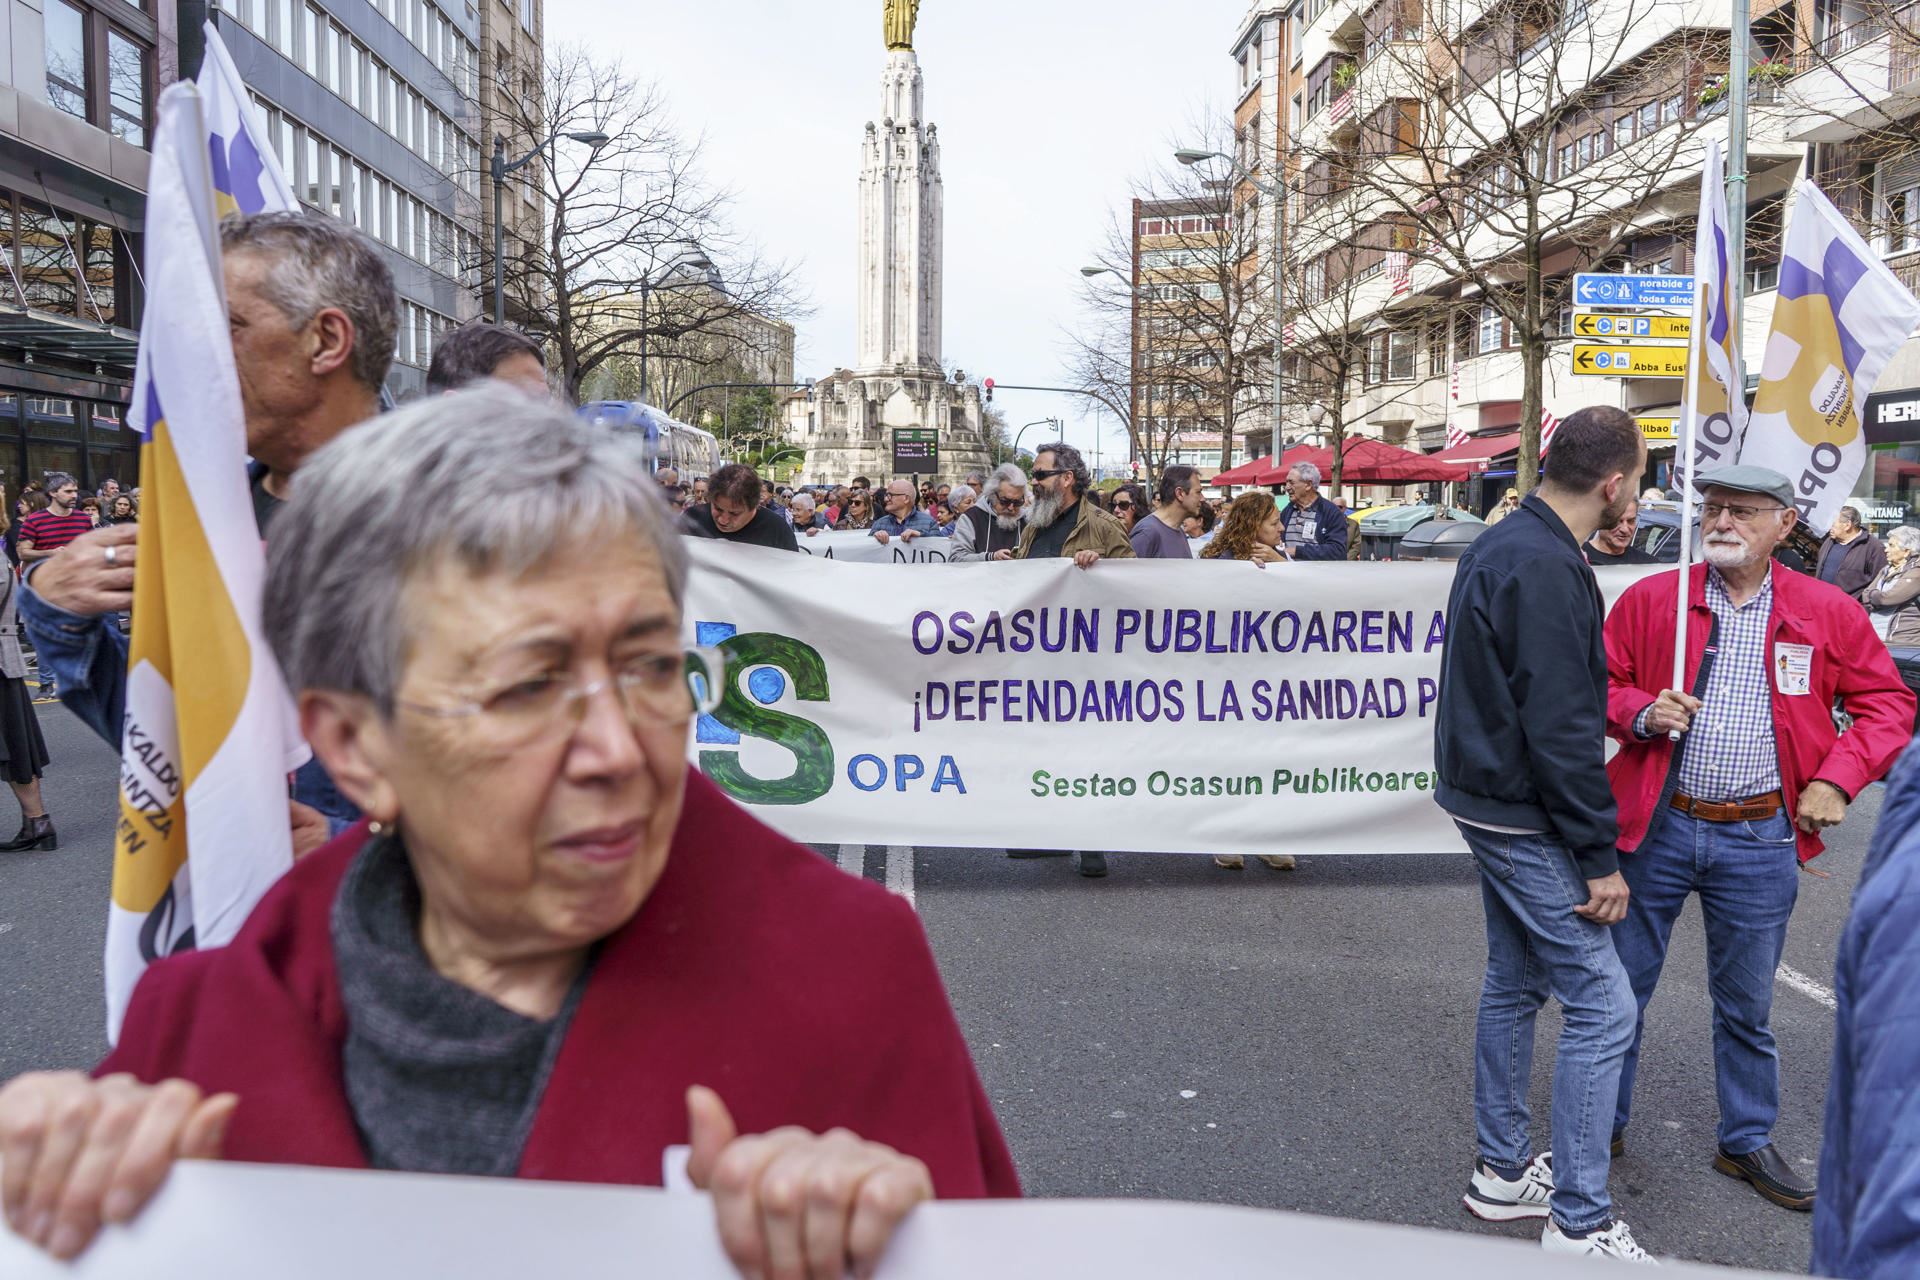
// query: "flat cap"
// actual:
[[1748, 480]]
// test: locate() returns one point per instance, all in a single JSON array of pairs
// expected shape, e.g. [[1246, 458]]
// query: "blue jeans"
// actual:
[[1537, 946], [1747, 876]]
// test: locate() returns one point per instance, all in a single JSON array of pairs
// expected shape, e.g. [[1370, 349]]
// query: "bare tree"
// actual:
[[1500, 149], [639, 253], [1199, 306]]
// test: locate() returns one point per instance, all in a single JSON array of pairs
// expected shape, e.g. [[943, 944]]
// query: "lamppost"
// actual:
[[1043, 422], [1145, 412], [501, 168], [1189, 156], [696, 261]]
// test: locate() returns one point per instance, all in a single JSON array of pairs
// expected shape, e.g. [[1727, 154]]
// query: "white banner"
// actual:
[[863, 548], [1171, 707], [215, 1221]]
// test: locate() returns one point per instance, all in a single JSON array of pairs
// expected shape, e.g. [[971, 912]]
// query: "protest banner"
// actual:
[[1140, 705], [862, 547], [216, 1221]]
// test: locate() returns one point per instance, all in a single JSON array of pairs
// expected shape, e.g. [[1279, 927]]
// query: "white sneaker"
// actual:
[[1495, 1199], [1615, 1242]]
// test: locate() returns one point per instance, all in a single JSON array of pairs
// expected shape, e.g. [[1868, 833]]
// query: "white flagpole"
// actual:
[[1689, 427]]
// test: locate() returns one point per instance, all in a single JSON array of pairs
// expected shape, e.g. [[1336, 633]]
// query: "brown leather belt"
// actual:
[[1752, 809]]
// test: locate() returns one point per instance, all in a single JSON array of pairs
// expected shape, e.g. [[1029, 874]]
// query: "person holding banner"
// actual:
[[902, 519], [1734, 809], [1519, 743], [555, 952], [734, 512], [1157, 535]]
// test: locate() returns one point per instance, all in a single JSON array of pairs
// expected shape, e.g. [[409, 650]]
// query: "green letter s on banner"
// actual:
[[812, 775]]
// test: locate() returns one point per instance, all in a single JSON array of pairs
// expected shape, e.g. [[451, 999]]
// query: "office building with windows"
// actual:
[[77, 87], [373, 111]]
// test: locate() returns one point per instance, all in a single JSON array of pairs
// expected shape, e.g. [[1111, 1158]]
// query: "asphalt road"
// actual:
[[1297, 1040]]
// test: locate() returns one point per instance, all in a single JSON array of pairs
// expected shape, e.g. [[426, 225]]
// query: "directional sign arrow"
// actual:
[[1583, 360]]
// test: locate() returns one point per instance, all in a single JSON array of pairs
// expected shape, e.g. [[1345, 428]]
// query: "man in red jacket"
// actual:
[[1758, 771]]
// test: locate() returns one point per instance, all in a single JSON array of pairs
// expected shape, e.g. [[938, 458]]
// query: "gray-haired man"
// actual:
[[1315, 528], [312, 312], [990, 530]]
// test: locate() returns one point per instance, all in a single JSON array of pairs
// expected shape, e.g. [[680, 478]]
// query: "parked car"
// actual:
[[1908, 660]]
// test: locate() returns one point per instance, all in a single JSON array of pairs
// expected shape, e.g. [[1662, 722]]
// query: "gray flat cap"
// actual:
[[1748, 480]]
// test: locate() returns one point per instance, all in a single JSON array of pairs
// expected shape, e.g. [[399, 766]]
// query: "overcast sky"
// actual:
[[1048, 110]]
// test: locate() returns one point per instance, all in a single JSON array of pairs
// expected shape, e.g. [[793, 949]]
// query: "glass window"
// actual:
[[310, 175], [336, 183], [407, 106], [46, 264], [126, 89], [1400, 356], [66, 30], [403, 229], [98, 262], [1492, 328], [313, 27], [281, 24], [283, 142]]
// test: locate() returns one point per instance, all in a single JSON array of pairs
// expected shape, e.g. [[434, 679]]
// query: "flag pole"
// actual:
[[1684, 455]]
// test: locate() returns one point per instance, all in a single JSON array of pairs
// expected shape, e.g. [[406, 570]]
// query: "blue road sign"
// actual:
[[1594, 289]]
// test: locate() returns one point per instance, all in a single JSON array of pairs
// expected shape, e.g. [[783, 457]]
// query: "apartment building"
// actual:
[[78, 80], [511, 91], [373, 109], [1849, 70], [1440, 156], [1178, 340]]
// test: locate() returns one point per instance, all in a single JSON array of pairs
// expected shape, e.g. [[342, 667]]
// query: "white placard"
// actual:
[[243, 1222]]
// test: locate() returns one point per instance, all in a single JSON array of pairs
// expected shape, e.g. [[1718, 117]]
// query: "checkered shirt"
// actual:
[[1729, 753]]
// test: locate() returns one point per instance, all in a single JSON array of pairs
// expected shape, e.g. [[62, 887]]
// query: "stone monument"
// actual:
[[897, 379]]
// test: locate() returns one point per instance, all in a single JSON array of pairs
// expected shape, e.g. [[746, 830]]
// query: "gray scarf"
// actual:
[[440, 1078]]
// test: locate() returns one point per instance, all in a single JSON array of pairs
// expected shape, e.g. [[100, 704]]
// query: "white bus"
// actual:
[[687, 449]]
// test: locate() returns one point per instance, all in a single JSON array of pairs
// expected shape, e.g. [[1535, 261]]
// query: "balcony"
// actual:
[[1853, 80]]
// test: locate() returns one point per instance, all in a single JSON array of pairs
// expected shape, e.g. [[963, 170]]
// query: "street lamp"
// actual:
[[1021, 433], [1146, 351], [501, 168], [696, 261], [1189, 156]]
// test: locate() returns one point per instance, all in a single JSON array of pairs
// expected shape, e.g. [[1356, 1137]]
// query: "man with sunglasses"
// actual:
[[990, 530], [1732, 809]]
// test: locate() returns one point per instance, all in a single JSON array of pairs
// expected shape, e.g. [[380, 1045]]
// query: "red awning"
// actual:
[[1366, 461], [1478, 451], [1242, 474]]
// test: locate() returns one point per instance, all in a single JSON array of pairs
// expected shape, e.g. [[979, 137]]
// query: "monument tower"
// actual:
[[897, 378]]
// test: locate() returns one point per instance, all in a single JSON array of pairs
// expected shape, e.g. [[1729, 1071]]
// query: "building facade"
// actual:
[[1436, 158], [78, 80], [373, 109]]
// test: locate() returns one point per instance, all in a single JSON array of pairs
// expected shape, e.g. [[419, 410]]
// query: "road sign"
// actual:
[[916, 451], [1593, 324], [1590, 359], [1595, 289], [1659, 430]]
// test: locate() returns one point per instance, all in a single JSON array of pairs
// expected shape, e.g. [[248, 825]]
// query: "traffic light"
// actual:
[[989, 386]]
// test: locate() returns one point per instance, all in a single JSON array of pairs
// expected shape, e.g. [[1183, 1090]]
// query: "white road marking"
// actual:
[[900, 872], [853, 859], [1807, 987]]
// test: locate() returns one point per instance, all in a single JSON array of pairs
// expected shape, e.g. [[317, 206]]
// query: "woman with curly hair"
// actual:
[[1250, 531]]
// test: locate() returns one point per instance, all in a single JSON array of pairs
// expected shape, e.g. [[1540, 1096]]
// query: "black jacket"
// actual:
[[1520, 733], [765, 529]]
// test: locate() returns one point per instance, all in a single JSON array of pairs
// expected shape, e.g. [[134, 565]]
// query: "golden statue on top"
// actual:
[[900, 19]]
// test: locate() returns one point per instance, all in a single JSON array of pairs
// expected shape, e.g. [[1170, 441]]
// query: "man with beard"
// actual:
[[1061, 524], [1734, 808], [1159, 534], [990, 530], [1520, 747]]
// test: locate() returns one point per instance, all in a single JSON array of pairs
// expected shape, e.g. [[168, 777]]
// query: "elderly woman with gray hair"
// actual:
[[1893, 597], [551, 951]]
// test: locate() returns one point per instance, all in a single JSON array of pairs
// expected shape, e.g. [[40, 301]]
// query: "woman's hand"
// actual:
[[1263, 554], [77, 1152], [794, 1205]]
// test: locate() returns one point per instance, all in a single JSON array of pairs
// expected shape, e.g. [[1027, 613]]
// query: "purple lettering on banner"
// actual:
[[927, 615], [1125, 623], [1187, 631]]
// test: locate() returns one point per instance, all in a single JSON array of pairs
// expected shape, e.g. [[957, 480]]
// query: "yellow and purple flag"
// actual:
[[1840, 316], [1717, 418], [247, 177], [209, 734]]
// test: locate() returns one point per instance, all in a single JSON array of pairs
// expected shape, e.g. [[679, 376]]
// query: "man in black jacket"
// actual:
[[1520, 745]]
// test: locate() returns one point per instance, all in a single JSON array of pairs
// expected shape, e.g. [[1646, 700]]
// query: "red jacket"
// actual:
[[1850, 663], [800, 994]]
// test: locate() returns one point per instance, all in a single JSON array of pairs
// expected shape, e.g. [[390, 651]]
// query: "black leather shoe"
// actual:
[[1770, 1175], [35, 833], [1093, 864]]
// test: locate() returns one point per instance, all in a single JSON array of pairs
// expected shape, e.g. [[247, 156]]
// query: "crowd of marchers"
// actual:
[[522, 938]]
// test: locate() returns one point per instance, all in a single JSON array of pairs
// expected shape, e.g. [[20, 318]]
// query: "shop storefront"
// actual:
[[1891, 481]]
